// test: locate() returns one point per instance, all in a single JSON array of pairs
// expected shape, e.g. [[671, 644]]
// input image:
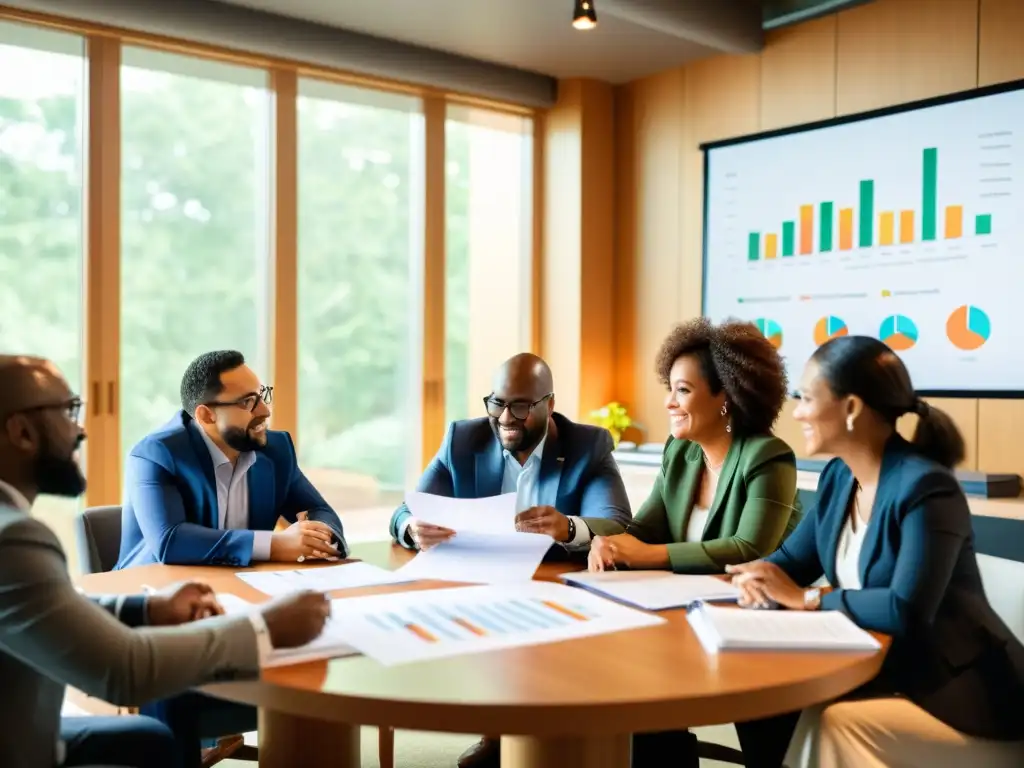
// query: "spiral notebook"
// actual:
[[730, 629]]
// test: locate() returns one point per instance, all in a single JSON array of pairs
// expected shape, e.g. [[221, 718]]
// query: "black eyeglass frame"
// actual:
[[519, 409], [265, 393], [72, 409]]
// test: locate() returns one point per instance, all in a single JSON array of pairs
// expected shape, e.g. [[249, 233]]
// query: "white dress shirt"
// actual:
[[695, 525], [233, 495], [851, 541], [17, 498]]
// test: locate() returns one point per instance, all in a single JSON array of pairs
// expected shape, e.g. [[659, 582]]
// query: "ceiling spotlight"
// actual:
[[584, 16]]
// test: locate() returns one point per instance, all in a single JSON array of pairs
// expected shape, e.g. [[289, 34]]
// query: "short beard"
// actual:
[[58, 475], [240, 440]]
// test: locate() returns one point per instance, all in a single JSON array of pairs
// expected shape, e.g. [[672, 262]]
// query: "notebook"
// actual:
[[725, 629], [653, 590]]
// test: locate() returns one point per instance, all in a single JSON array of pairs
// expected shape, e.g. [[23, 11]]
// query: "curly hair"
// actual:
[[736, 357]]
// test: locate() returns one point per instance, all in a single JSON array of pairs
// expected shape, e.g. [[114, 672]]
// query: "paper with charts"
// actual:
[[654, 590], [720, 629], [319, 579], [406, 627], [486, 548], [329, 645]]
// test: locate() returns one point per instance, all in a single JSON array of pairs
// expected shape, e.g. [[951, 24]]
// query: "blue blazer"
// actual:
[[951, 654], [170, 510], [578, 475]]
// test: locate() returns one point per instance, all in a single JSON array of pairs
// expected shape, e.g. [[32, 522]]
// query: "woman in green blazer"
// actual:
[[726, 492]]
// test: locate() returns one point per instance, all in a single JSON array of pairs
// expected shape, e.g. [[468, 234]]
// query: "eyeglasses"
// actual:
[[519, 409], [72, 408], [247, 402]]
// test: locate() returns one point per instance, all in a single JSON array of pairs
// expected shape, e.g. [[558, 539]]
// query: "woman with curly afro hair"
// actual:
[[726, 493]]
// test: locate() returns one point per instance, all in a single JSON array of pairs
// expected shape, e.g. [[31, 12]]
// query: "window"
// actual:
[[195, 212], [489, 238], [360, 176], [42, 158]]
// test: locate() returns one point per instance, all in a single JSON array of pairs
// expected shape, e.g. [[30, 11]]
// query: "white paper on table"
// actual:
[[654, 590], [322, 579], [490, 514], [327, 646], [720, 629], [480, 558], [405, 627]]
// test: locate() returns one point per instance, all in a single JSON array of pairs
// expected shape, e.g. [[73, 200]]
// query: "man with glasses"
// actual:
[[208, 487], [566, 481], [51, 636]]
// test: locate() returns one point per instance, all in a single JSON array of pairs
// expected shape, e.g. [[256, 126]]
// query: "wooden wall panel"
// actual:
[[798, 74], [1000, 41], [894, 51], [624, 265], [1000, 424]]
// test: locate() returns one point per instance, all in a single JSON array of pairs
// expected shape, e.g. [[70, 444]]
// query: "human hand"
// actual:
[[601, 556], [544, 519], [425, 535], [181, 603], [296, 619], [760, 583], [305, 539], [626, 549]]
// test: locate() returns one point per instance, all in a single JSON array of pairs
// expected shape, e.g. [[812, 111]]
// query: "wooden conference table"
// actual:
[[568, 704]]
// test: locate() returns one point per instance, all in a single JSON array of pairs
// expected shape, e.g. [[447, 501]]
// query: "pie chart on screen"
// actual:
[[771, 330], [899, 332], [968, 327], [829, 328]]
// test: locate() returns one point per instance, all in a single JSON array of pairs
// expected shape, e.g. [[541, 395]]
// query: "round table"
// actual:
[[567, 704]]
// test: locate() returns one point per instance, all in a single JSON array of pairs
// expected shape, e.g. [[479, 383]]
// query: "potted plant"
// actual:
[[615, 418]]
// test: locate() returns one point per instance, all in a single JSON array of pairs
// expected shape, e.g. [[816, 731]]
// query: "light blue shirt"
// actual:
[[233, 494]]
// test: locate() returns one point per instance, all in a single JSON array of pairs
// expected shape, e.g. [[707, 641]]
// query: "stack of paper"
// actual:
[[486, 547], [320, 579], [404, 627], [329, 645], [721, 628], [654, 590]]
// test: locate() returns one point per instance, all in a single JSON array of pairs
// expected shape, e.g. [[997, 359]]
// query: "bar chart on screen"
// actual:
[[406, 627]]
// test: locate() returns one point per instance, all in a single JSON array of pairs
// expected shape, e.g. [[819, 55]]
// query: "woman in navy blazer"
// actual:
[[891, 531]]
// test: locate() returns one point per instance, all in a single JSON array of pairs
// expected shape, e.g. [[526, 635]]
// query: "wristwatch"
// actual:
[[812, 599], [572, 531]]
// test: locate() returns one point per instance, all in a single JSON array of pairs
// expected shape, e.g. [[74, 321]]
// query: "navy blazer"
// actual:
[[951, 654], [578, 474], [170, 510]]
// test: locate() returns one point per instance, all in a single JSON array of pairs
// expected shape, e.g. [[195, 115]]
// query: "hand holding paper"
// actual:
[[491, 514]]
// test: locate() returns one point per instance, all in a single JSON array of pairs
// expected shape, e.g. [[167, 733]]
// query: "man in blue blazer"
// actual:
[[208, 487], [566, 481]]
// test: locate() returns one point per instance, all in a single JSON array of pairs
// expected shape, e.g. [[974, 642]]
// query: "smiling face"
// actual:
[[694, 412], [822, 414], [240, 414]]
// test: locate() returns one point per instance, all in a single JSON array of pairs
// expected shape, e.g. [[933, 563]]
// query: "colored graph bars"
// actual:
[[881, 228]]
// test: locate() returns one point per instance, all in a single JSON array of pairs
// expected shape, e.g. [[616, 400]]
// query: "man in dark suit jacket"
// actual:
[[208, 487], [566, 481], [51, 636]]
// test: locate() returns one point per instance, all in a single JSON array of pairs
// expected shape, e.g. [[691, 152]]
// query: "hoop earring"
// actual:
[[849, 423]]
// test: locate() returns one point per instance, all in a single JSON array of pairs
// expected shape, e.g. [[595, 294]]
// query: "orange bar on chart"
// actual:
[[954, 221], [806, 229], [771, 246], [565, 611], [845, 229], [886, 226], [470, 627], [906, 226], [421, 633]]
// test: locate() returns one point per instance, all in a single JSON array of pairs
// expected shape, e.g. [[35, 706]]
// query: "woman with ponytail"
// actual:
[[891, 532]]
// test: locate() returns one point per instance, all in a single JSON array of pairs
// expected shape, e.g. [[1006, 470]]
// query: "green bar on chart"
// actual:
[[930, 194], [825, 228], [788, 237], [754, 246], [867, 213], [983, 224]]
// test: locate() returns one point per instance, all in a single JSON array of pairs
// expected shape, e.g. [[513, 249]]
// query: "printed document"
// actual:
[[322, 579], [327, 646], [721, 628], [486, 548], [405, 627], [654, 590]]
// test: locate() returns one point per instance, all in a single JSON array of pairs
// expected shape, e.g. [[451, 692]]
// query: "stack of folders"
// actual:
[[654, 590], [726, 629]]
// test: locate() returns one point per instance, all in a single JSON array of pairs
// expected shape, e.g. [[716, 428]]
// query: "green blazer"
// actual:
[[755, 505]]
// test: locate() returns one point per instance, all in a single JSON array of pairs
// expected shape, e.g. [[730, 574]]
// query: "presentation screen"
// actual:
[[905, 224]]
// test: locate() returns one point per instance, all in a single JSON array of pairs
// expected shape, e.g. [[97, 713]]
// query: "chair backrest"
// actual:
[[1004, 587], [98, 532]]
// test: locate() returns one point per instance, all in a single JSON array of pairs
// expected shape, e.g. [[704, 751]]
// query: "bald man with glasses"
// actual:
[[208, 487]]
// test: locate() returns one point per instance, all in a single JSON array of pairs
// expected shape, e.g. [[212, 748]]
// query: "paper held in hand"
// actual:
[[319, 579], [725, 629], [486, 548], [654, 590], [327, 646]]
